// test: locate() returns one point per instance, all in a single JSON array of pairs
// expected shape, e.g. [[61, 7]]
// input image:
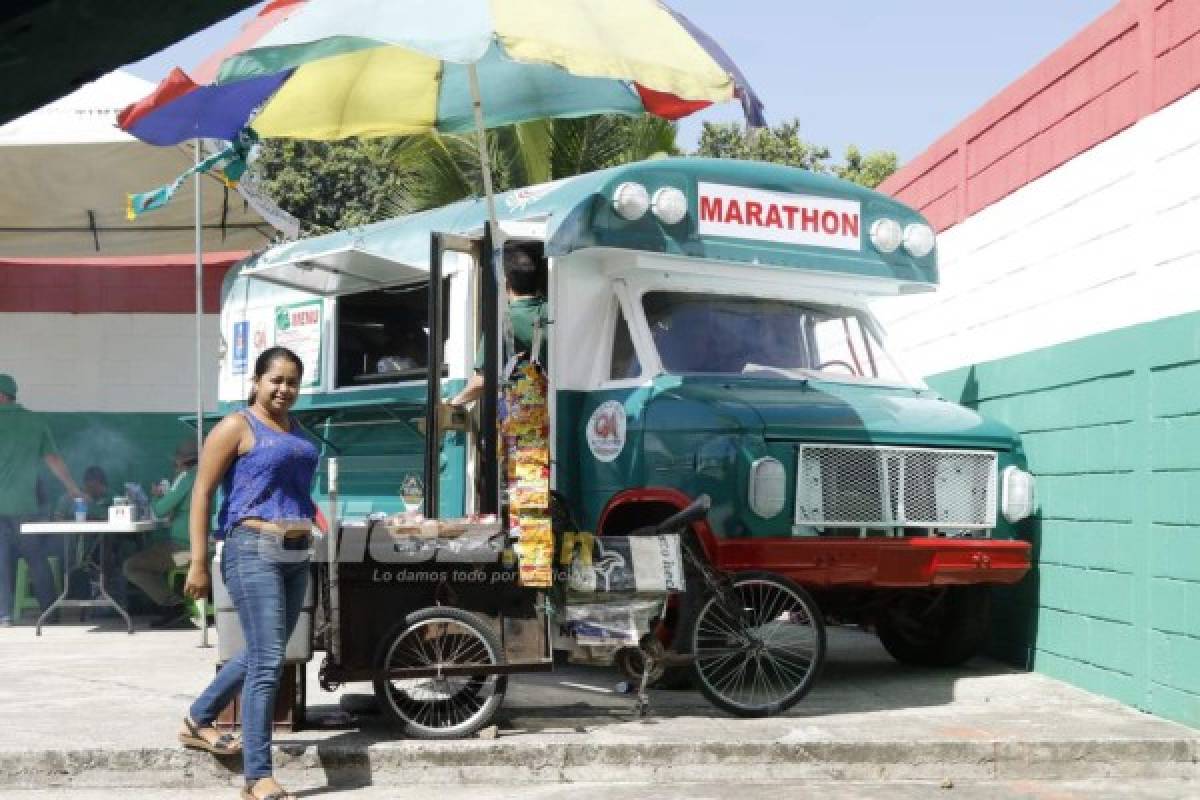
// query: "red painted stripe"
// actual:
[[130, 285], [1134, 60]]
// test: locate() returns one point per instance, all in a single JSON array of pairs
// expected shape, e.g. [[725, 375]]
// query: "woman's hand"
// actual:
[[197, 583]]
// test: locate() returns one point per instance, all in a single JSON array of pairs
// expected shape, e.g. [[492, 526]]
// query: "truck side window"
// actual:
[[382, 336], [625, 362]]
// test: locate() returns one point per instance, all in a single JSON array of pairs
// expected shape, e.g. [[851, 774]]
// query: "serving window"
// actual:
[[383, 335]]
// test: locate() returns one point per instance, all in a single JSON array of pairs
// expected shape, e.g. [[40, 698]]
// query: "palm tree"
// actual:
[[435, 170]]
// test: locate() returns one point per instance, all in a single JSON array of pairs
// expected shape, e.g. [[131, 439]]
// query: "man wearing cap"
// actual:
[[148, 569], [25, 443]]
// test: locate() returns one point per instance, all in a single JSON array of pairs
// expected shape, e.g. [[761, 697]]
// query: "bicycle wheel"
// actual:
[[758, 644], [440, 706]]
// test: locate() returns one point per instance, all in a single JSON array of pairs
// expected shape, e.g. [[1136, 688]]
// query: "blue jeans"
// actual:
[[267, 584], [14, 545]]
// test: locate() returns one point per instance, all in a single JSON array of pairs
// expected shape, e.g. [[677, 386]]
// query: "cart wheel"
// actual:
[[447, 706], [758, 645]]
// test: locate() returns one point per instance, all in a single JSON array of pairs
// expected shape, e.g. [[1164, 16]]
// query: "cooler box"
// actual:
[[230, 640]]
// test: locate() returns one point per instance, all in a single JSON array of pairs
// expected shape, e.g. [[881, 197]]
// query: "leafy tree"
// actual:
[[779, 145], [868, 170], [782, 144], [327, 185]]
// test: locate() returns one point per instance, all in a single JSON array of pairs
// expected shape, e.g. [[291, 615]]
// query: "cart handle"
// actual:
[[695, 510]]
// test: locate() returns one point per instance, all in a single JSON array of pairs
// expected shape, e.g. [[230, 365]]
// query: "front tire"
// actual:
[[440, 707], [940, 628], [760, 658]]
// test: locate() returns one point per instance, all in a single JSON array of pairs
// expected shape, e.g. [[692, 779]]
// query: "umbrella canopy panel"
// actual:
[[67, 169]]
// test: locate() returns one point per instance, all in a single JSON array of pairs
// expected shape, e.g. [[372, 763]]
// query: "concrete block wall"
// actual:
[[109, 362], [105, 349], [1105, 241], [1070, 308], [1111, 427]]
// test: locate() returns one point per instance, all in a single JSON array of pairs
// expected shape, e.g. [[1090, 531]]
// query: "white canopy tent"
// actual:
[[66, 170]]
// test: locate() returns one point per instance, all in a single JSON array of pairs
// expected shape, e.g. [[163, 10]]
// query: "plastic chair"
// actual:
[[23, 597], [197, 609]]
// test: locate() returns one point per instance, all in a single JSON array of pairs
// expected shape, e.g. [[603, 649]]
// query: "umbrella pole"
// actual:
[[503, 329], [201, 604], [485, 162]]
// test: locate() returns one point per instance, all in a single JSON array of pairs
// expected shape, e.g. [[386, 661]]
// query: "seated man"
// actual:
[[95, 493], [98, 498], [148, 569]]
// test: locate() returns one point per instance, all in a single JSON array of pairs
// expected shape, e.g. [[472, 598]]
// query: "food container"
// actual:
[[120, 512]]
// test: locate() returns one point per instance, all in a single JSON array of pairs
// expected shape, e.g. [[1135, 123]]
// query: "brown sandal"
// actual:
[[224, 745], [279, 794]]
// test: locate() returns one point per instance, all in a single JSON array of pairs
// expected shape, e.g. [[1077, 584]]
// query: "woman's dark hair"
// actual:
[[264, 361]]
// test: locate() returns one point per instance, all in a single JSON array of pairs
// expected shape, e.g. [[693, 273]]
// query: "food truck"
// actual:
[[709, 333]]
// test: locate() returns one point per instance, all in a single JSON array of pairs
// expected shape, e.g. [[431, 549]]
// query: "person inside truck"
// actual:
[[525, 275]]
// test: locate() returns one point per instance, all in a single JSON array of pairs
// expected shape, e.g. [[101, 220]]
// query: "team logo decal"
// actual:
[[606, 431]]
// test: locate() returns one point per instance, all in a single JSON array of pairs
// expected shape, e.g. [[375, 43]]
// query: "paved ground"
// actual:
[[84, 706], [842, 790]]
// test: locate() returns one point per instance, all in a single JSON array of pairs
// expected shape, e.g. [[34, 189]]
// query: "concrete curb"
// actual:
[[499, 762]]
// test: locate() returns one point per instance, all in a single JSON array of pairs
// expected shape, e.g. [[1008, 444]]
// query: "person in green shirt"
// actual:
[[148, 568], [526, 314], [25, 444]]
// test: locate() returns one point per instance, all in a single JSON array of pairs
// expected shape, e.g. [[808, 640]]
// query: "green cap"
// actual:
[[8, 386]]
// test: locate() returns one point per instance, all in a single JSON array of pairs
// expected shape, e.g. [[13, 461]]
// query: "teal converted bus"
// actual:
[[710, 333]]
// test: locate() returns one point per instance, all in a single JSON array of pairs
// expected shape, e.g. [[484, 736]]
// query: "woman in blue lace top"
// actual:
[[265, 467]]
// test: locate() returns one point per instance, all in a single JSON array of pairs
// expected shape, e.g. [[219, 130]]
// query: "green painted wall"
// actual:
[[128, 447], [1111, 426]]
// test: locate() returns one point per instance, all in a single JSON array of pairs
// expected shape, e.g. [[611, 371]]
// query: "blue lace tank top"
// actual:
[[271, 482]]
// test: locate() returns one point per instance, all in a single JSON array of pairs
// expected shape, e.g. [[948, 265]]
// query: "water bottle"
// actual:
[[81, 509]]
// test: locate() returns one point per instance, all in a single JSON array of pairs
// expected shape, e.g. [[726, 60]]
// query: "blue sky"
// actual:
[[882, 75]]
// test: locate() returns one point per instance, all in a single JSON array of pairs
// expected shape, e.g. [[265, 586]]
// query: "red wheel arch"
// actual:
[[659, 495]]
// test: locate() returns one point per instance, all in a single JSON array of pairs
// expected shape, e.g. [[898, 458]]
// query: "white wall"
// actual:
[[1108, 240], [108, 362]]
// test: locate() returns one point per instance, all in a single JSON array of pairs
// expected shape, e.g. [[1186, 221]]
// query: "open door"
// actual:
[[482, 445]]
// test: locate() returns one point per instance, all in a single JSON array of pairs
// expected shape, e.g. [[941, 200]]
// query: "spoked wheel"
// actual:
[[440, 706], [758, 645]]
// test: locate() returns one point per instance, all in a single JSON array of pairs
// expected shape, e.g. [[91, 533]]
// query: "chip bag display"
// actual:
[[525, 451]]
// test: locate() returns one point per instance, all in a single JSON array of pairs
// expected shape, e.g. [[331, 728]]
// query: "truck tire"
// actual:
[[938, 628]]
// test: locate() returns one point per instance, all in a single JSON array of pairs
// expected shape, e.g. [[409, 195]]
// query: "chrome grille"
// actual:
[[860, 486]]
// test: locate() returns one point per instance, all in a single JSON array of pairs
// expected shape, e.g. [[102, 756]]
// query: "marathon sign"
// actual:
[[742, 213]]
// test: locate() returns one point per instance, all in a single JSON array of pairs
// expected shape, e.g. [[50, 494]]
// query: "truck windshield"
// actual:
[[727, 334]]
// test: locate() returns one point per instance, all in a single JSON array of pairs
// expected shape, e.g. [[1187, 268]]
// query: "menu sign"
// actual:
[[298, 328]]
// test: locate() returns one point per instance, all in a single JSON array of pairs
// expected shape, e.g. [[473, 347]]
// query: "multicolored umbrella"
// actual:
[[331, 69]]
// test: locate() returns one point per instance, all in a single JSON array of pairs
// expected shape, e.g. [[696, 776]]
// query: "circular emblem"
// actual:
[[606, 431]]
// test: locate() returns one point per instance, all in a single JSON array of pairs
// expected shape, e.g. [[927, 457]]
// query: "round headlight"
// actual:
[[631, 201], [669, 205], [918, 240], [886, 235], [768, 487]]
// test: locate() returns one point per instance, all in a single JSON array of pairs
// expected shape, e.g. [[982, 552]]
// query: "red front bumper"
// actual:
[[879, 563]]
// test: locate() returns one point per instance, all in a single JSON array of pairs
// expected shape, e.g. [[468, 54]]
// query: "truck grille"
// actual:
[[860, 486]]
